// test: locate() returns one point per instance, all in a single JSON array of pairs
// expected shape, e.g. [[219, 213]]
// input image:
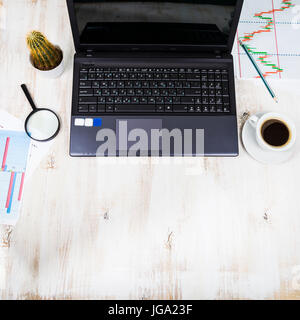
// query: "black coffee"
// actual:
[[275, 132]]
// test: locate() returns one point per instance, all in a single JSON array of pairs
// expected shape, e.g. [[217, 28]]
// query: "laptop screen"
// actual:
[[174, 22]]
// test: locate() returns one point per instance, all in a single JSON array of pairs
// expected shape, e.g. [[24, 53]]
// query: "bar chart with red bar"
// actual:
[[14, 149]]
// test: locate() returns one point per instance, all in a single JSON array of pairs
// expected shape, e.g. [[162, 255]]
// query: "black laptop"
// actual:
[[154, 78]]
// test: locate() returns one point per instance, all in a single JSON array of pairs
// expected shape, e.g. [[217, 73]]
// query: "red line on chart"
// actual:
[[276, 41], [21, 186], [9, 189], [5, 153]]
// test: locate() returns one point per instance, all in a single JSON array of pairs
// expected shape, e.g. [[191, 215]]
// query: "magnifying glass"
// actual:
[[42, 124]]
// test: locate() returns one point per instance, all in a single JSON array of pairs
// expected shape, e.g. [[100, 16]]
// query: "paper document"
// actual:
[[19, 154], [14, 150], [271, 31]]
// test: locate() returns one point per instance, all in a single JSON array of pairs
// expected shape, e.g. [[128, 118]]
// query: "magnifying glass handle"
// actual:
[[28, 96]]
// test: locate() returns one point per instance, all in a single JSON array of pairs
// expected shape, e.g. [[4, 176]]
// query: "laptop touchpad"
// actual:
[[134, 136]]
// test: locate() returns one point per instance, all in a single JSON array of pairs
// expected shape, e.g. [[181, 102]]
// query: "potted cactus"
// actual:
[[44, 56]]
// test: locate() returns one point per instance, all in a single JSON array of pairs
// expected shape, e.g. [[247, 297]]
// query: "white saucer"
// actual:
[[256, 152]]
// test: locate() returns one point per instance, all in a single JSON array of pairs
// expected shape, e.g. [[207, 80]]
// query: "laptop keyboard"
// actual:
[[153, 90]]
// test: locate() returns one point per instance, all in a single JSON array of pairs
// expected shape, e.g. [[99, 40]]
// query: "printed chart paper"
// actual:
[[271, 30], [14, 150], [38, 150]]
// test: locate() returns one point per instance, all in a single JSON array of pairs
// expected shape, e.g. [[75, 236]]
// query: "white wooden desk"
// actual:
[[91, 228]]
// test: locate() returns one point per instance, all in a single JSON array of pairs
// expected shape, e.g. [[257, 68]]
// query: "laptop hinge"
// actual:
[[217, 53]]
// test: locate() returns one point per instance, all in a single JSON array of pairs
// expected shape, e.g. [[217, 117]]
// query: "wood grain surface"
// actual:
[[146, 228]]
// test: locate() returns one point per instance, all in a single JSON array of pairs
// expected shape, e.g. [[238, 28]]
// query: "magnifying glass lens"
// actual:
[[42, 125]]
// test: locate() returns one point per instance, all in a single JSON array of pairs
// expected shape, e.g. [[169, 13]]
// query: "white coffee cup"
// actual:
[[258, 122]]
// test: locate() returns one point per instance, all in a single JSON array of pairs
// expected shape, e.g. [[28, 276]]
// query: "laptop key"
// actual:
[[160, 108], [172, 92], [204, 100], [198, 100], [86, 92], [101, 108], [211, 77], [85, 84], [83, 76], [105, 92], [187, 100], [205, 109], [187, 84], [103, 84], [118, 100], [180, 108], [225, 89], [198, 108], [98, 92], [83, 108], [168, 108], [218, 100], [109, 108], [127, 100], [101, 100], [95, 84], [193, 76], [92, 108], [87, 100], [192, 92], [212, 100], [91, 76], [196, 84], [226, 101], [168, 100], [173, 76], [135, 108], [224, 77], [218, 85], [159, 100], [135, 100], [109, 100]]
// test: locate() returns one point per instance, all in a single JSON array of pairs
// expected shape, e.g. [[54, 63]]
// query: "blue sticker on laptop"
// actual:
[[97, 122]]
